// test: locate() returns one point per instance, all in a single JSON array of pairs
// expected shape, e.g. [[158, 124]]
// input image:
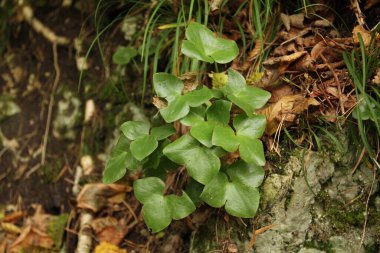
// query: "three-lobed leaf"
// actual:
[[170, 87], [202, 44], [120, 161], [246, 97], [239, 194], [123, 55], [144, 139], [159, 210], [201, 163]]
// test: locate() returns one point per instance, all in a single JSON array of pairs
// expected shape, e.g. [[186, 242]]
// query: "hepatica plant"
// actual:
[[215, 134]]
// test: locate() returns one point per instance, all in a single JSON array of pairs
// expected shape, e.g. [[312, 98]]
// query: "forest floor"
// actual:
[[58, 124]]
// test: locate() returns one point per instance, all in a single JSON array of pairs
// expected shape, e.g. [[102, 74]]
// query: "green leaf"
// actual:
[[219, 111], [252, 127], [147, 187], [180, 206], [247, 174], [193, 51], [236, 81], [120, 160], [198, 97], [251, 150], [162, 132], [203, 45], [143, 146], [176, 109], [224, 136], [157, 214], [195, 116], [246, 97], [123, 55], [201, 163], [214, 192], [242, 201], [134, 129], [239, 198], [203, 132], [159, 210], [167, 85], [194, 190]]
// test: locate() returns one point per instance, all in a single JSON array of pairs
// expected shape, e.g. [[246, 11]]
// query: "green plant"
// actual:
[[214, 134], [361, 65]]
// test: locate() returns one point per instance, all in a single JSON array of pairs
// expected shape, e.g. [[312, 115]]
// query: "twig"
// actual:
[[358, 162], [257, 232], [367, 202], [39, 27], [358, 13], [51, 103], [84, 237]]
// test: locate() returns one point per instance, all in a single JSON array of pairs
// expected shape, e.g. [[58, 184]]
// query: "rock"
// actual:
[[343, 188], [309, 250], [294, 220], [340, 244], [275, 187]]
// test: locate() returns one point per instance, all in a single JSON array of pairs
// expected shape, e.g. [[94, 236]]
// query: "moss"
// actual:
[[50, 171], [340, 217], [320, 245]]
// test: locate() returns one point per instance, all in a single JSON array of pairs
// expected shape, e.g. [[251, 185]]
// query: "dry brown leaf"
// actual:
[[215, 4], [304, 64], [109, 230], [283, 62], [158, 103], [95, 196], [87, 164], [286, 21], [280, 92], [376, 78], [31, 237], [105, 247], [295, 20], [10, 228], [190, 81], [286, 109], [366, 35]]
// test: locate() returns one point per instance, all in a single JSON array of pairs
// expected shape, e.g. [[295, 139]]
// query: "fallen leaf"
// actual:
[[105, 247], [365, 34], [376, 78], [286, 109], [295, 20], [109, 230], [10, 228], [283, 62], [280, 92], [87, 164], [95, 196], [31, 237]]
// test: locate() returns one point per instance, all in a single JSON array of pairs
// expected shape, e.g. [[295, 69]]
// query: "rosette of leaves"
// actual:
[[213, 134], [244, 135]]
